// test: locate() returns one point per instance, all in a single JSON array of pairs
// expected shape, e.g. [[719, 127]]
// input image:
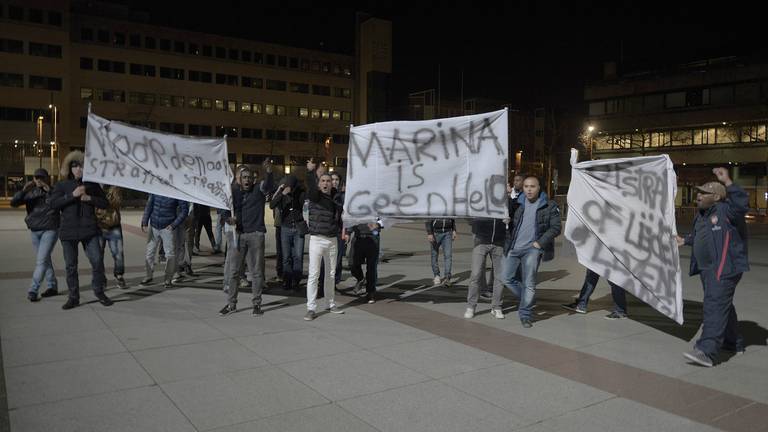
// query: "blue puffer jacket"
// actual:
[[728, 245], [163, 211]]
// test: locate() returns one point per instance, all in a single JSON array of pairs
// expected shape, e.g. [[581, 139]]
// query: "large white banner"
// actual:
[[451, 167], [621, 218], [183, 167]]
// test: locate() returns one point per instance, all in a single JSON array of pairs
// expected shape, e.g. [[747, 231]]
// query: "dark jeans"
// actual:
[[617, 292], [279, 251], [366, 252], [204, 223], [293, 252], [720, 326], [92, 248]]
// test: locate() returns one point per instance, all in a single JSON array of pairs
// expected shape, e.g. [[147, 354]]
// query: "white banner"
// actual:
[[451, 167], [182, 167], [621, 219]]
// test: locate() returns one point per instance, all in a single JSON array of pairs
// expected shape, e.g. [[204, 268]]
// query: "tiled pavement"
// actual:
[[164, 360]]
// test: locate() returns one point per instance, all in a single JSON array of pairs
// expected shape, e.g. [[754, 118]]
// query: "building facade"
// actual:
[[703, 114], [271, 101]]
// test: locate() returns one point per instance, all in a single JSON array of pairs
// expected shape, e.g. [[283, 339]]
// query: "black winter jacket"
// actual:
[[78, 218], [40, 215]]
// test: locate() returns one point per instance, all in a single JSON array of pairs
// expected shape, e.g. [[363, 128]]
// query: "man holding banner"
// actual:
[[163, 215]]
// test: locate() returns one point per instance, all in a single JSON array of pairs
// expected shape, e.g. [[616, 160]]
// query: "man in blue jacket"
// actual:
[[162, 215], [535, 222], [719, 258]]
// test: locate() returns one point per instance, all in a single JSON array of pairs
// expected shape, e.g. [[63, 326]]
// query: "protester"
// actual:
[[441, 233], [364, 245], [719, 258], [535, 222], [112, 232], [324, 226], [77, 201], [289, 199], [163, 215], [489, 241], [43, 224], [248, 202], [184, 241]]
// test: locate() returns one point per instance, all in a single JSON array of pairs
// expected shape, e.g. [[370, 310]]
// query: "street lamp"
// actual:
[[590, 130], [55, 134]]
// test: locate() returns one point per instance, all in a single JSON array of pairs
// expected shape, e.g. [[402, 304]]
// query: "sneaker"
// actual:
[[497, 313], [146, 281], [228, 309], [486, 295], [309, 316], [104, 300], [359, 288], [168, 285], [195, 251], [70, 304], [526, 323], [121, 282], [216, 251], [448, 281], [178, 277], [189, 272], [257, 310], [574, 307], [615, 316], [698, 357], [335, 310], [33, 297], [371, 299], [50, 292], [437, 281], [244, 283], [469, 313]]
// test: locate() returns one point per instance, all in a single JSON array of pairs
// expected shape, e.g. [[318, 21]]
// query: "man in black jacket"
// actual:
[[43, 223], [77, 201], [248, 202], [324, 226], [289, 200]]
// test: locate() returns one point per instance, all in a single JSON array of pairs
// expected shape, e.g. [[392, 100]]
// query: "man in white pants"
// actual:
[[324, 227]]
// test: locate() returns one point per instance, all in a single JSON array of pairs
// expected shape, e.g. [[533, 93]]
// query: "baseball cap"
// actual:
[[713, 188], [41, 172]]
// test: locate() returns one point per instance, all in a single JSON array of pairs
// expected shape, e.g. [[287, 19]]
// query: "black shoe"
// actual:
[[50, 292], [228, 309], [189, 272], [168, 285], [104, 300], [33, 297], [146, 281], [70, 304], [370, 298], [257, 310], [526, 323], [121, 282]]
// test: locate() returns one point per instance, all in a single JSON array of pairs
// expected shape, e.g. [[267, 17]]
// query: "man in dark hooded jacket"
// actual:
[[43, 223], [77, 201]]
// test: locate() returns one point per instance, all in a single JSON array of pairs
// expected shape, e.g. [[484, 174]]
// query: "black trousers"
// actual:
[[366, 252]]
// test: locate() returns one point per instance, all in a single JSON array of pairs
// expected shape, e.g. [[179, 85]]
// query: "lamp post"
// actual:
[[40, 139], [54, 143], [590, 130]]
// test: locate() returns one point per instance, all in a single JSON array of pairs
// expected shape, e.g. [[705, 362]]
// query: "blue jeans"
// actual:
[[92, 248], [444, 240], [43, 242], [114, 237], [590, 282], [218, 232], [293, 251], [720, 328], [527, 261]]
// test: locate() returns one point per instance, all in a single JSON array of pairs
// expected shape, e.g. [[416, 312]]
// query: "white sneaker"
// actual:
[[469, 313], [497, 313], [437, 281]]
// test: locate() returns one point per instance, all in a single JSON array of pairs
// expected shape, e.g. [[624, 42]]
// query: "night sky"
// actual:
[[529, 54]]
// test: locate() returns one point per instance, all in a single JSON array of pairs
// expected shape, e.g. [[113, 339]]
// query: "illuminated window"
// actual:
[[245, 107], [218, 105], [315, 113], [326, 114], [257, 108], [303, 112], [269, 109]]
